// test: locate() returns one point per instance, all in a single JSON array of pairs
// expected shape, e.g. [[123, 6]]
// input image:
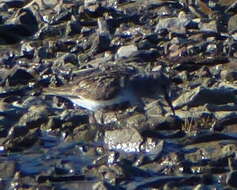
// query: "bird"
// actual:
[[109, 86]]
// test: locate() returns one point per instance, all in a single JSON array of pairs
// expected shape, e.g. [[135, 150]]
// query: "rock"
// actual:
[[201, 96], [127, 140], [45, 53], [209, 27], [102, 40], [177, 52], [13, 33], [229, 75], [71, 58], [143, 56], [232, 24], [27, 51], [175, 24], [14, 3], [231, 179], [9, 168], [18, 76], [35, 117], [126, 51]]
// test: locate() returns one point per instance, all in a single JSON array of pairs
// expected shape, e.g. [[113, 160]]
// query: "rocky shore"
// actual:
[[48, 143]]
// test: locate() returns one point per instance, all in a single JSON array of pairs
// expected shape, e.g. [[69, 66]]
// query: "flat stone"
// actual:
[[126, 51], [127, 139]]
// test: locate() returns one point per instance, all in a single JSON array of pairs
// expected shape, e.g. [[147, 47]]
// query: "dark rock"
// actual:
[[65, 45], [74, 28], [232, 179], [13, 33], [143, 56], [15, 3], [27, 51], [71, 58], [229, 75], [20, 143], [51, 32], [158, 181], [18, 76], [72, 119], [35, 117], [45, 53], [63, 16]]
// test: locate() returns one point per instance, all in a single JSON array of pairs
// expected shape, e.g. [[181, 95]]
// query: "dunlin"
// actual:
[[110, 86]]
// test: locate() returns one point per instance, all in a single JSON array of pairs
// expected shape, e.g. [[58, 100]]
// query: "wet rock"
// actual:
[[85, 184], [157, 181], [35, 117], [60, 146], [14, 3], [30, 166], [72, 118], [65, 45], [20, 143], [224, 120], [45, 53], [157, 109], [18, 76], [15, 32], [71, 58], [209, 137], [231, 179], [65, 15], [50, 32], [226, 107]]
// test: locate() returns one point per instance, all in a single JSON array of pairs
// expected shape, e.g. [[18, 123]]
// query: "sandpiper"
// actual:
[[110, 86]]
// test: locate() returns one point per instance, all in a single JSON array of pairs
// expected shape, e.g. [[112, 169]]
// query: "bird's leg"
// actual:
[[116, 115], [140, 107], [168, 100], [98, 122], [93, 119], [102, 118]]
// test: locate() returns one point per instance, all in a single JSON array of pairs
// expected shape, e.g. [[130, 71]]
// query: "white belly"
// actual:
[[94, 105]]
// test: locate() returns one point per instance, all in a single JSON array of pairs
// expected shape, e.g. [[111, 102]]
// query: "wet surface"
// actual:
[[47, 142]]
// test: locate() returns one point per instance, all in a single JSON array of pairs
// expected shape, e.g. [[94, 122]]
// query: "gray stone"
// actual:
[[232, 24], [127, 140], [126, 51], [208, 27], [174, 24], [202, 95]]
